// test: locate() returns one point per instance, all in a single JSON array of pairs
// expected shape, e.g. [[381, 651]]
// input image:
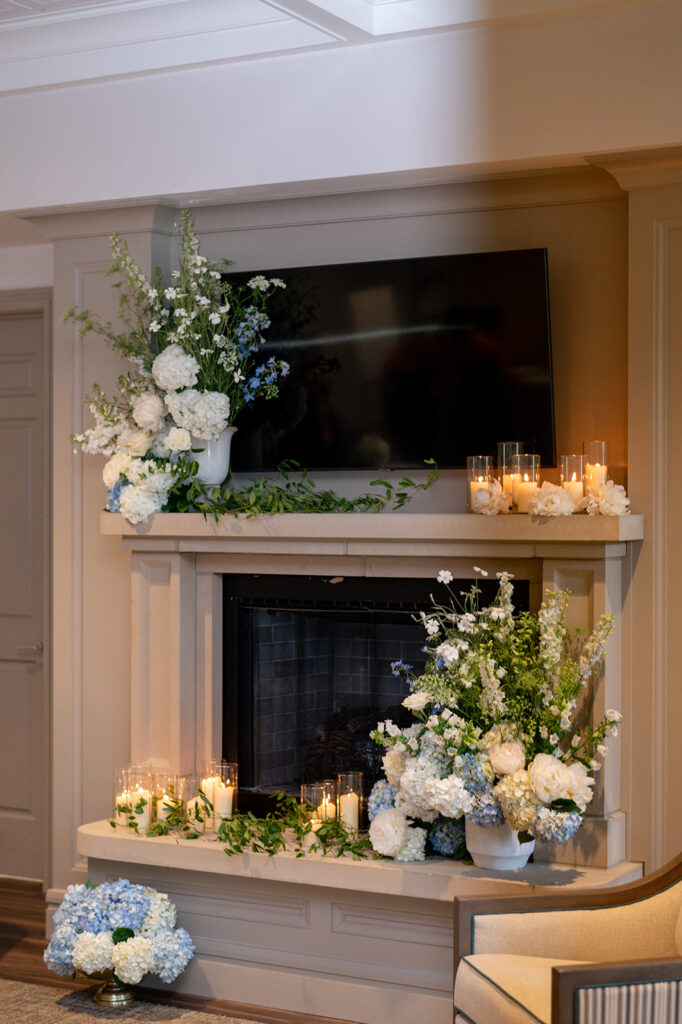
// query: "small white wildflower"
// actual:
[[478, 569], [445, 576]]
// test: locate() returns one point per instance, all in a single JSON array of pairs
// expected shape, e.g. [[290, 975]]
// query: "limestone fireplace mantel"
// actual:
[[177, 561]]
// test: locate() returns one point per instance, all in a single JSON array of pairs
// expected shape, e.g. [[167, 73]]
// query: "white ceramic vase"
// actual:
[[497, 848], [214, 459]]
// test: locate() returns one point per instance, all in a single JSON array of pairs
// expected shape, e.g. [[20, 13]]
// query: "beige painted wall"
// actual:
[[580, 218]]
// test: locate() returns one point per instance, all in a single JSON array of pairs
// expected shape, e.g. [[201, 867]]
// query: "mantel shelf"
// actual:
[[189, 529]]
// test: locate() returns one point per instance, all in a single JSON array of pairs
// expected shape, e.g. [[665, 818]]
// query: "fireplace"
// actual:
[[310, 666]]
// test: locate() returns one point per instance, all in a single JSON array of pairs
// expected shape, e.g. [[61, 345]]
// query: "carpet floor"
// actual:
[[21, 1003]]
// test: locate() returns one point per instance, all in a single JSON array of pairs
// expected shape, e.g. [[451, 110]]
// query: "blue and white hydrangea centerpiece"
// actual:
[[118, 926], [195, 347], [495, 738]]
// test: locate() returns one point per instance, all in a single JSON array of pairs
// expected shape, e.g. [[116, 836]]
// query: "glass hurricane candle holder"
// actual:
[[506, 450], [122, 805], [479, 468], [319, 799], [141, 793], [350, 798], [596, 463], [571, 475], [525, 480], [198, 808], [225, 775], [167, 799], [210, 778]]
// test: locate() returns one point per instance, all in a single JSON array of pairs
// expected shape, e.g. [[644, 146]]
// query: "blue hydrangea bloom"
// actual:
[[476, 772], [114, 498], [172, 952], [446, 836], [485, 810], [556, 826], [381, 797]]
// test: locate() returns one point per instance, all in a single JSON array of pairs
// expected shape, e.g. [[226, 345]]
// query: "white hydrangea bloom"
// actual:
[[211, 414], [518, 801], [174, 369], [149, 411], [137, 505], [132, 959], [449, 797], [92, 953], [413, 850]]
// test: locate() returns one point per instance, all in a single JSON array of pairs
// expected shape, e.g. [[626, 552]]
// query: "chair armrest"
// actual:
[[567, 979]]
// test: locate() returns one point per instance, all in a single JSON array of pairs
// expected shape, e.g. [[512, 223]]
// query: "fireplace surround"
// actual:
[[361, 940]]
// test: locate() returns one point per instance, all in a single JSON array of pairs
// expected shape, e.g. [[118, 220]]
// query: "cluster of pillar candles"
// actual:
[[519, 473], [142, 797]]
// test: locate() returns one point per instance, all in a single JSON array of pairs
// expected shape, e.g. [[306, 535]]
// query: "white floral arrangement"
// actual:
[[118, 926], [607, 499], [194, 347], [495, 737]]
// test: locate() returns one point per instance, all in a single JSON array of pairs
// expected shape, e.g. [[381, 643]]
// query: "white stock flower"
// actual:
[[417, 701], [507, 757], [393, 763], [174, 369], [388, 832], [115, 468], [134, 442], [149, 411], [178, 440], [132, 959], [551, 500], [92, 953], [608, 499]]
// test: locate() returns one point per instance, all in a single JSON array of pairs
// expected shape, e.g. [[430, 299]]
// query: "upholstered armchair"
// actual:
[[600, 956]]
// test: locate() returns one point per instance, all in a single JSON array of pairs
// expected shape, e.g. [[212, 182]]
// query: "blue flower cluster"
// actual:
[[114, 497], [264, 375], [249, 337], [381, 797], [172, 954], [476, 772], [556, 826], [399, 668], [446, 836], [485, 810]]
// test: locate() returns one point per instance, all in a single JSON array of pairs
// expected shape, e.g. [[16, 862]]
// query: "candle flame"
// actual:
[[526, 477], [573, 478], [480, 480]]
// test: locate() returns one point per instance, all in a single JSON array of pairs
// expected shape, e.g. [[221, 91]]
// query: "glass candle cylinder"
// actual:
[[349, 799], [596, 463], [319, 798], [198, 808], [122, 805], [141, 790], [571, 474], [506, 450], [525, 480], [224, 791], [167, 799], [479, 468], [210, 778]]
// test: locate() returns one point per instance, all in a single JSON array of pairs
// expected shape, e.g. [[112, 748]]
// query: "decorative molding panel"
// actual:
[[373, 922]]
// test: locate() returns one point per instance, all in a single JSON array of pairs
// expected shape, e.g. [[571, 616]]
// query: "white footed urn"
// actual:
[[497, 848], [214, 457]]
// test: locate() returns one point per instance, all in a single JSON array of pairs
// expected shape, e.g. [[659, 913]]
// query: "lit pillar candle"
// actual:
[[141, 804], [508, 485], [223, 800], [574, 488], [325, 809], [349, 810], [197, 812], [122, 800], [479, 484], [164, 806], [524, 490], [595, 474], [311, 836]]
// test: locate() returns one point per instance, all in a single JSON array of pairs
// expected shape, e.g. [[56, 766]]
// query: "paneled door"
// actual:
[[24, 709]]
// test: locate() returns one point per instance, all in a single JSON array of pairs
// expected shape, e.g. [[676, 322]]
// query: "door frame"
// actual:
[[29, 302]]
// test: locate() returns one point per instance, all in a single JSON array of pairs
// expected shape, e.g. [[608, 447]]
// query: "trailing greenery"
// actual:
[[294, 491]]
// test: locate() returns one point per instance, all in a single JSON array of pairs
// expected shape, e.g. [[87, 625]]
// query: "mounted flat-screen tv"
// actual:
[[397, 361]]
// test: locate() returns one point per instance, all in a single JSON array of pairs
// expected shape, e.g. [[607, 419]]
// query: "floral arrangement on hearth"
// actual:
[[120, 927], [195, 349], [495, 739]]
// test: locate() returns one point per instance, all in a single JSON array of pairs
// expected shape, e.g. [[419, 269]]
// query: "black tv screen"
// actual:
[[397, 361]]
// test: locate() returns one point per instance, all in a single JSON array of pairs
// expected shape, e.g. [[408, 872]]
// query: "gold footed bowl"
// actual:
[[113, 992]]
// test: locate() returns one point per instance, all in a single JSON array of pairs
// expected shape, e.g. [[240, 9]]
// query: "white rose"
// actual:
[[549, 777], [417, 701], [388, 832], [115, 468], [507, 758], [149, 411], [178, 440], [174, 369], [579, 785], [393, 764], [134, 442]]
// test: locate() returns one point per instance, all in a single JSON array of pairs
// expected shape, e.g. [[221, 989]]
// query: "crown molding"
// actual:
[[648, 168]]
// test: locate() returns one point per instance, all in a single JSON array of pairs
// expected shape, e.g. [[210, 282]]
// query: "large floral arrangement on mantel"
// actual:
[[195, 347], [495, 736]]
